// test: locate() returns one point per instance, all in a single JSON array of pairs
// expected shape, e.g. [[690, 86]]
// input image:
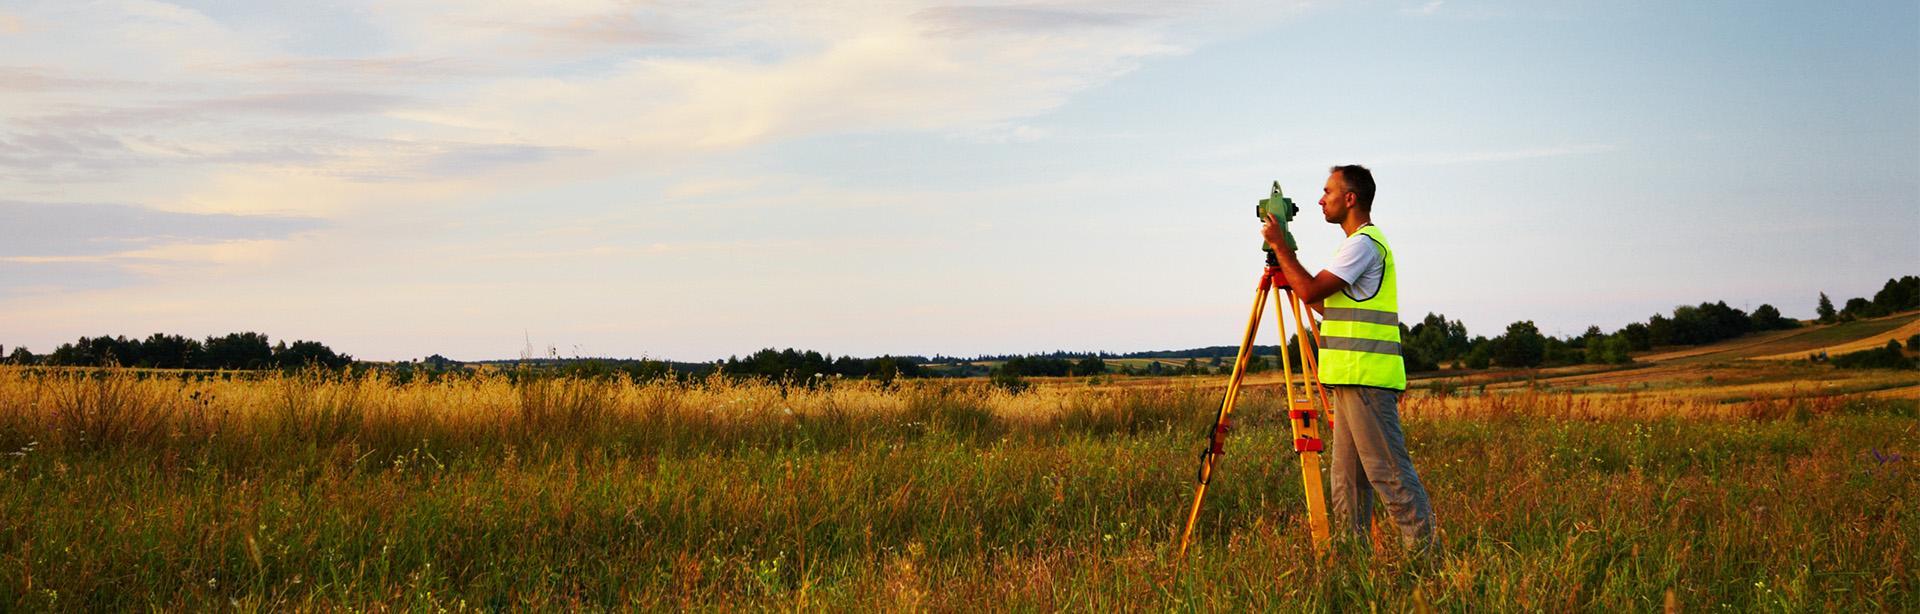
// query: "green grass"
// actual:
[[316, 493]]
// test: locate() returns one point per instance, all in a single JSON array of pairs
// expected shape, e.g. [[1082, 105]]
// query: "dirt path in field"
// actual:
[[1726, 347], [1901, 334]]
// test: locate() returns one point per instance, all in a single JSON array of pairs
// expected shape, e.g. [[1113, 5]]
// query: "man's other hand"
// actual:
[[1275, 234]]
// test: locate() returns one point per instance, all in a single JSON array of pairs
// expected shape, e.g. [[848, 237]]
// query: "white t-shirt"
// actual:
[[1360, 264]]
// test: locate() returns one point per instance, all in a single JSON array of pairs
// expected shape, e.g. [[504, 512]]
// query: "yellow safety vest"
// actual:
[[1360, 335]]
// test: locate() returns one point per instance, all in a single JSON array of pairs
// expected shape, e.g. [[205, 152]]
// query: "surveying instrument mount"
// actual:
[[1307, 405]]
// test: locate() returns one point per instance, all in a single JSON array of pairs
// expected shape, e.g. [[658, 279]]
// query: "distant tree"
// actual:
[[21, 356], [1092, 365], [1707, 323], [1659, 331], [79, 354], [103, 351], [1825, 310], [1416, 359], [308, 353], [1438, 338], [1557, 352], [1899, 294], [164, 351], [1037, 366], [1481, 356], [1521, 346], [1857, 308], [1614, 351], [1637, 336], [1766, 317], [1596, 349], [237, 351]]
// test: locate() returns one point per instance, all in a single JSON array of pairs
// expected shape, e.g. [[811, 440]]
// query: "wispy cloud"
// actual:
[[1430, 8], [53, 247], [41, 230], [978, 19], [1442, 158]]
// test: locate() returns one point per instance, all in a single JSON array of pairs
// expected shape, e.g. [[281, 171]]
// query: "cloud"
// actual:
[[24, 79], [30, 278], [1430, 8], [57, 247], [355, 68], [619, 29], [463, 159], [1501, 155], [884, 76], [964, 20], [41, 230], [295, 104]]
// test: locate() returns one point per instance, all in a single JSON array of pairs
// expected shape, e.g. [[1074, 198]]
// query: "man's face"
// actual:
[[1335, 200]]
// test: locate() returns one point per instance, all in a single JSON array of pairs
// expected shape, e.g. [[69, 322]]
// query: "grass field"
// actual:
[[313, 492]]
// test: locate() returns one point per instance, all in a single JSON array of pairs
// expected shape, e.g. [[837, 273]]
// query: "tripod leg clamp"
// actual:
[[1305, 416], [1308, 444]]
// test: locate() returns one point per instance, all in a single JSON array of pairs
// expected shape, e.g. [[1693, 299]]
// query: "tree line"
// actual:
[[1432, 342], [1436, 341], [791, 364], [162, 351], [1897, 295]]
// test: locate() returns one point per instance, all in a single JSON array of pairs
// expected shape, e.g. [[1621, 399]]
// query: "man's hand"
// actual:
[[1275, 234], [1309, 287]]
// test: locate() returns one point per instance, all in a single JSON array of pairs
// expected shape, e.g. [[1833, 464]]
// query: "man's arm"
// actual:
[[1309, 287]]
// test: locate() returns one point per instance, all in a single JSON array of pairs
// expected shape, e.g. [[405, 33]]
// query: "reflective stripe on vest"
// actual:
[[1362, 345], [1360, 339]]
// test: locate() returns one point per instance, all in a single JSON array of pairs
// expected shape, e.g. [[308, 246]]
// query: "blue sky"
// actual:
[[694, 180]]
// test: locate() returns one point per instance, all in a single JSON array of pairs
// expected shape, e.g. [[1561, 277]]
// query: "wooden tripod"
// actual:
[[1306, 410]]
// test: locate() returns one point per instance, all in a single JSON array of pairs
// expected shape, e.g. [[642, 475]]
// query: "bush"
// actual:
[[1011, 382], [1885, 357], [1481, 356]]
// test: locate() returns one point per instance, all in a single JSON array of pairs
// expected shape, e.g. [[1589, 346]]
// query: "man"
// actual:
[[1360, 361]]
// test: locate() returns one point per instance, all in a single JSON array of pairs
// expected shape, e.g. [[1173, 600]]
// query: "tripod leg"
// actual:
[[1217, 440], [1306, 429], [1310, 356]]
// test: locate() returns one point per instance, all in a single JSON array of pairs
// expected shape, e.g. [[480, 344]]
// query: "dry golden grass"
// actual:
[[126, 490]]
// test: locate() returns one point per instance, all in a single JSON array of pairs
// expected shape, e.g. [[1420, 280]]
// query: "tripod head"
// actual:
[[1282, 209]]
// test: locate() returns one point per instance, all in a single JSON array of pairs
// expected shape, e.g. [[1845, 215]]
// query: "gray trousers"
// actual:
[[1370, 455]]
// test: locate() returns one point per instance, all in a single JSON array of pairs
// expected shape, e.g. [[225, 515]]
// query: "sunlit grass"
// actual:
[[313, 490]]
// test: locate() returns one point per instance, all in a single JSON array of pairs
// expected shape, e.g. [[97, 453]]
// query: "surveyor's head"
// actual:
[[1348, 188]]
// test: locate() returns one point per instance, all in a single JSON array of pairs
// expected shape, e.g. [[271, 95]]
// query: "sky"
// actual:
[[693, 180]]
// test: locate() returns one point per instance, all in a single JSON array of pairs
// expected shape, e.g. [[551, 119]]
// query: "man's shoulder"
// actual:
[[1359, 245]]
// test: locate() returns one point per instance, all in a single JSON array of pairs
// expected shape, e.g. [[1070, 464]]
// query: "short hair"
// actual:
[[1359, 181]]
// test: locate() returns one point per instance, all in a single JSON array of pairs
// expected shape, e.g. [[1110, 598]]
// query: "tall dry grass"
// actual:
[[124, 489]]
